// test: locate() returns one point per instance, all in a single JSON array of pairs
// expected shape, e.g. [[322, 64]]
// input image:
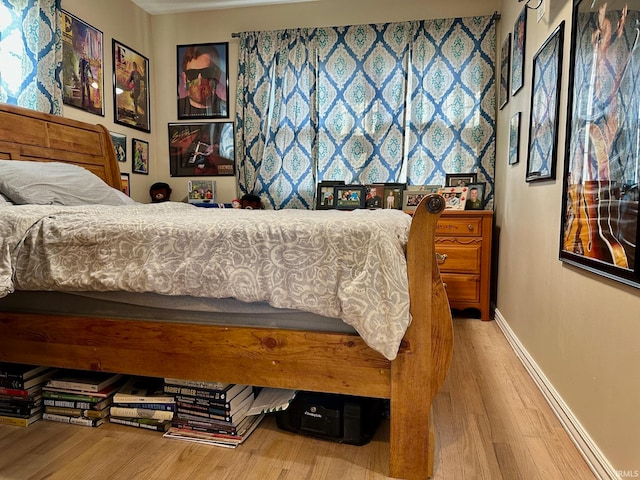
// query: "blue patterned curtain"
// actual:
[[398, 102], [31, 55]]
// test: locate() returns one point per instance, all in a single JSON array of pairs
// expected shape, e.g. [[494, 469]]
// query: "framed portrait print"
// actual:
[[201, 149], [460, 179], [505, 66], [413, 195], [600, 197], [119, 145], [517, 56], [140, 154], [455, 197], [514, 139], [349, 197], [124, 183], [392, 196], [82, 65], [131, 101], [545, 108], [475, 196], [325, 197], [203, 80], [374, 196]]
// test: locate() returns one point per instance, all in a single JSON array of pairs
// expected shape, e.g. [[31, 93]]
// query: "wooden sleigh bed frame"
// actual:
[[304, 360]]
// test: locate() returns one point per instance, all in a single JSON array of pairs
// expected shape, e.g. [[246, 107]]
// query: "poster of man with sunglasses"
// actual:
[[203, 86]]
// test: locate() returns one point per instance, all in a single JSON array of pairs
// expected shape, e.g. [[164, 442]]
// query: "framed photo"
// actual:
[[460, 179], [545, 108], [349, 197], [414, 194], [119, 145], [140, 153], [600, 197], [325, 197], [514, 139], [517, 56], [505, 66], [374, 196], [475, 196], [455, 197], [82, 65], [201, 149], [201, 191], [392, 195], [131, 104], [124, 183], [203, 80]]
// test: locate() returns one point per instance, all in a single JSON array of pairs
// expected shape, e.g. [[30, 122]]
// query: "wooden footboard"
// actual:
[[325, 362]]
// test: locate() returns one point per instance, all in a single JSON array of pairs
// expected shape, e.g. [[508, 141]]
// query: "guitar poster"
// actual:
[[600, 190]]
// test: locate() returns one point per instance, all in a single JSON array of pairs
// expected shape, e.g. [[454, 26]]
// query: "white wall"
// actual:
[[581, 329]]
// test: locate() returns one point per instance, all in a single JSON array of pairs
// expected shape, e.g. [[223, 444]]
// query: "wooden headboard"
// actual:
[[30, 135]]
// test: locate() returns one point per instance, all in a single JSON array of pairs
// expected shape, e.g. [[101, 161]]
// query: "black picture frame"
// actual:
[[206, 62], [125, 184], [599, 231], [514, 139], [197, 149], [471, 202], [393, 195], [518, 49], [545, 108], [374, 196], [139, 156], [131, 100], [325, 196], [413, 195], [119, 146], [505, 67], [82, 65], [349, 197], [460, 179]]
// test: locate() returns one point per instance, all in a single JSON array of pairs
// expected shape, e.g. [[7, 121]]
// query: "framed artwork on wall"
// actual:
[[545, 108], [131, 101], [517, 56], [203, 80], [505, 67], [124, 183], [82, 65], [119, 145], [514, 139], [140, 153], [201, 149], [600, 197]]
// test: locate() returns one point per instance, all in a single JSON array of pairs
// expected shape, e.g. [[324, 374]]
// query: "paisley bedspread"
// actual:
[[348, 265]]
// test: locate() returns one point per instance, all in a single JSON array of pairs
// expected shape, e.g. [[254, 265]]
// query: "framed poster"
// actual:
[[119, 145], [545, 108], [125, 184], [140, 153], [201, 149], [600, 197], [517, 56], [505, 66], [131, 103], [514, 139], [82, 65], [203, 80]]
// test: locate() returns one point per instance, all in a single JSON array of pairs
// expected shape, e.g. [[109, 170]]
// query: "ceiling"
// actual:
[[158, 7]]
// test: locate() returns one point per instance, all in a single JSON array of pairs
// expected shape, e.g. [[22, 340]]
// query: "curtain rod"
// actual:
[[235, 35]]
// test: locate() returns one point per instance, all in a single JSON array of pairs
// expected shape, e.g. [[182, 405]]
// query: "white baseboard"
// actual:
[[587, 447]]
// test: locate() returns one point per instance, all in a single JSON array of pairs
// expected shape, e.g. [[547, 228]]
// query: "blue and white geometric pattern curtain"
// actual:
[[31, 54], [398, 102]]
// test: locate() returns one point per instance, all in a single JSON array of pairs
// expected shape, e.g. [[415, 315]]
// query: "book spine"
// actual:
[[67, 403], [69, 412], [169, 407], [133, 423], [14, 421], [19, 410], [15, 383], [203, 408], [15, 392], [85, 387], [141, 413], [71, 396], [189, 411], [195, 392], [196, 384], [203, 401], [87, 422]]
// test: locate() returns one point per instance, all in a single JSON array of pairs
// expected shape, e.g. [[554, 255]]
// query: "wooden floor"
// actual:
[[491, 423]]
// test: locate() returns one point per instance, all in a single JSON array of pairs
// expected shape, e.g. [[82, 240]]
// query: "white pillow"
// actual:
[[55, 183]]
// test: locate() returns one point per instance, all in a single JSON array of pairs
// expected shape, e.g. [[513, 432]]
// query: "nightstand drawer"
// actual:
[[462, 288], [459, 227], [455, 258]]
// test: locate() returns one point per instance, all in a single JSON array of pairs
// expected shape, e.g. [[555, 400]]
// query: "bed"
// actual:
[[297, 358]]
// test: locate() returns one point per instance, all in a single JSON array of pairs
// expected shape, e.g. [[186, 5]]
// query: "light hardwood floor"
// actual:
[[490, 421]]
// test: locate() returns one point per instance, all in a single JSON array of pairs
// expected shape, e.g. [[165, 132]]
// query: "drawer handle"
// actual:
[[441, 258], [470, 227]]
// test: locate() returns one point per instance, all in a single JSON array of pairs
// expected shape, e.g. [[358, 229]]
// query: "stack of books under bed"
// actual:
[[21, 393], [141, 402], [79, 397], [211, 412]]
